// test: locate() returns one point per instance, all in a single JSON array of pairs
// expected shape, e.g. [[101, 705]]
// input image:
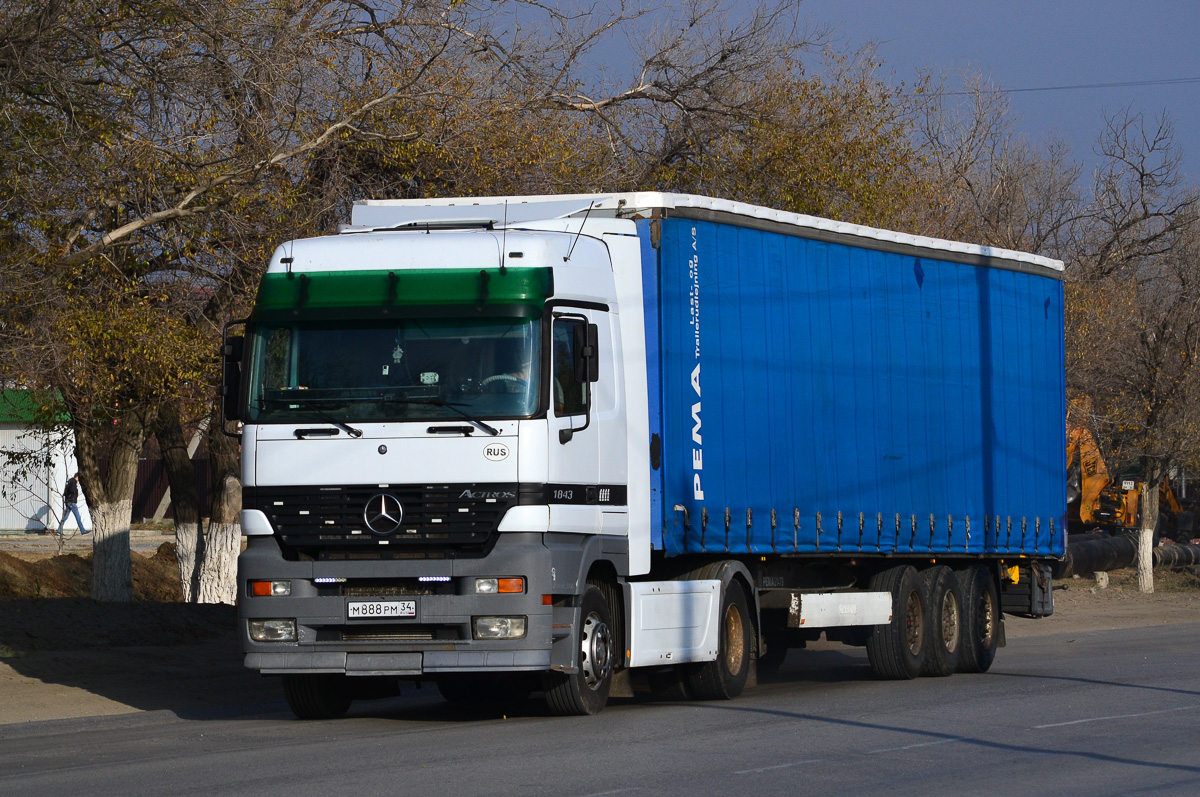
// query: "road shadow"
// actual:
[[149, 656], [922, 737]]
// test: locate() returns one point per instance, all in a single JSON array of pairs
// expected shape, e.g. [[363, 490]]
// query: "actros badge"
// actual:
[[383, 513]]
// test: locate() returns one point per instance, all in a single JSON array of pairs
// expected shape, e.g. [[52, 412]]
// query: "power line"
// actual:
[[1179, 81]]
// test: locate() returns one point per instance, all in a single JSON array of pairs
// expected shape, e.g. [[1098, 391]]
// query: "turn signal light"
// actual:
[[490, 586], [267, 589]]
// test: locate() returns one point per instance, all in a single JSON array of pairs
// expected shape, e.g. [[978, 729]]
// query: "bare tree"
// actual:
[[151, 151], [1133, 320], [991, 185]]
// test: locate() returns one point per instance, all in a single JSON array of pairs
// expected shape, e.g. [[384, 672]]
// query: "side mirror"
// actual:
[[587, 353], [231, 376], [231, 350]]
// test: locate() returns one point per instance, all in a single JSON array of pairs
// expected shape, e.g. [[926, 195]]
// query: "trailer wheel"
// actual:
[[585, 691], [944, 598], [897, 650], [320, 696], [725, 678], [981, 619]]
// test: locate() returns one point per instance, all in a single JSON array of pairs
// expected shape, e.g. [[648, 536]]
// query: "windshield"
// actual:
[[394, 370]]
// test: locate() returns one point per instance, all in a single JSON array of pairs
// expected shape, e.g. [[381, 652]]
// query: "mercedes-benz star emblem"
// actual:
[[383, 513]]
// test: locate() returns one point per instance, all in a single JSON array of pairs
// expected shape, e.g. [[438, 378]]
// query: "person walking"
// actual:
[[71, 504]]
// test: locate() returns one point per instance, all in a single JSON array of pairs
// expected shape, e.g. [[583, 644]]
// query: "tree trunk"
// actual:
[[111, 499], [112, 573], [185, 499], [1145, 555], [223, 542]]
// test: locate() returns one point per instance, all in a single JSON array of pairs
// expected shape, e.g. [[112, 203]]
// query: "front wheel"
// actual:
[[483, 689], [585, 691], [320, 696], [725, 678]]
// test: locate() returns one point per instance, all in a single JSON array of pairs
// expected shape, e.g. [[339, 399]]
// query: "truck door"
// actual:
[[574, 456]]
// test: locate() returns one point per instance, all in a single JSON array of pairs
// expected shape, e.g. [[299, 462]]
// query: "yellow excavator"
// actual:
[[1108, 499]]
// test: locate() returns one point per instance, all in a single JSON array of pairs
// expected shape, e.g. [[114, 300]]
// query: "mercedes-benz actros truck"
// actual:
[[595, 443]]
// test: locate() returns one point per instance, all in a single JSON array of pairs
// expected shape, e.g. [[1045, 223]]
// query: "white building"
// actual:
[[35, 464]]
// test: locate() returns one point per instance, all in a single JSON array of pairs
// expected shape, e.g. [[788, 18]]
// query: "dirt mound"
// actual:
[[155, 578]]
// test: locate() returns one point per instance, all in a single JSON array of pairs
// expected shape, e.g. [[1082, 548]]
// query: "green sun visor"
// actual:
[[406, 292]]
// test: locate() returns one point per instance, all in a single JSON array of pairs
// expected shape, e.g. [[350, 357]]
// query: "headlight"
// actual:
[[273, 630], [499, 627]]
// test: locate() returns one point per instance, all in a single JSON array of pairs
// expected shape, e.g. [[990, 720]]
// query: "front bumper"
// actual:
[[436, 639]]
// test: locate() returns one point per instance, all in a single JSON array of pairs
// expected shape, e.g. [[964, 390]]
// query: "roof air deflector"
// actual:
[[387, 215]]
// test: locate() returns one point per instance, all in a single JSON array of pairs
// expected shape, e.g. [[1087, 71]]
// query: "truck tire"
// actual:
[[981, 619], [945, 624], [484, 688], [668, 684], [585, 691], [725, 678], [320, 696], [896, 651], [777, 650]]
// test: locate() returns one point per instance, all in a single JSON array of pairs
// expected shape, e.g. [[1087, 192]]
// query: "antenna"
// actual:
[[287, 261], [585, 218], [504, 239]]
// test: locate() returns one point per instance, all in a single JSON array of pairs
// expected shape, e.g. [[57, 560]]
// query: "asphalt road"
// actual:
[[1114, 712]]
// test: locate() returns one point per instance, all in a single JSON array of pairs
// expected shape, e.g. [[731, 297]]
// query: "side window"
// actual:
[[570, 395]]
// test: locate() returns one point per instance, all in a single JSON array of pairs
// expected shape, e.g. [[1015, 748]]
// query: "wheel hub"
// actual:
[[595, 647], [734, 640], [986, 619], [914, 621], [950, 622]]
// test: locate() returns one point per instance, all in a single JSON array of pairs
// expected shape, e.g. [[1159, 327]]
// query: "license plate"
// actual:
[[357, 610]]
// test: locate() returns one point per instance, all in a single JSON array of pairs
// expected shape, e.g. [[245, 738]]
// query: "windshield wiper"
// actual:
[[322, 415], [453, 407], [347, 428]]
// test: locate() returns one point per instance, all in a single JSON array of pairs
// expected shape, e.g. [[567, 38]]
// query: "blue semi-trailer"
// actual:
[[585, 444]]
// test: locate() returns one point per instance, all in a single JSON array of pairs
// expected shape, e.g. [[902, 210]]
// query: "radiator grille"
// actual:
[[328, 521]]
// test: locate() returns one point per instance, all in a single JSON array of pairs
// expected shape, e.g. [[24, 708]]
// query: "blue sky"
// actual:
[[1022, 44]]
